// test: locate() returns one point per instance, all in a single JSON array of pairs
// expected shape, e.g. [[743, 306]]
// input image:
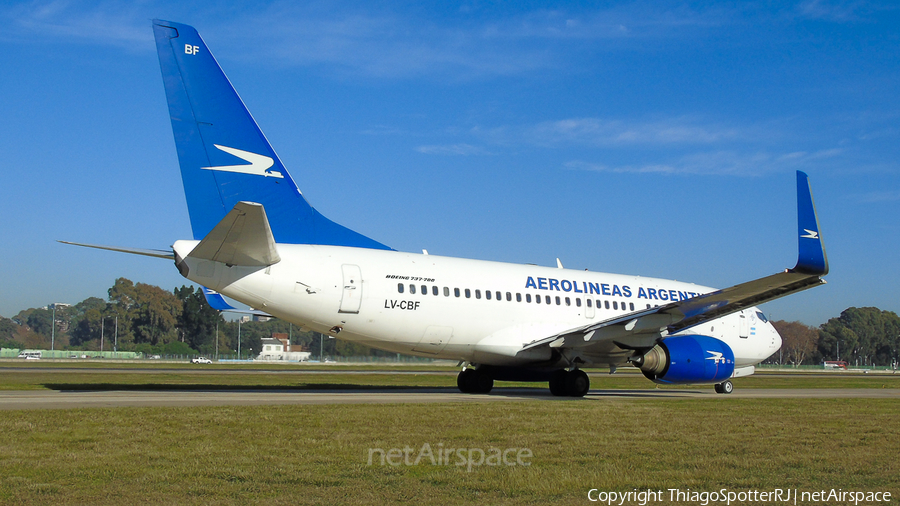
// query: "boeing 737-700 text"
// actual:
[[258, 241]]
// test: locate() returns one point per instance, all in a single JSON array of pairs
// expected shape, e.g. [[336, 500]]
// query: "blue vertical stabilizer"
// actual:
[[224, 157]]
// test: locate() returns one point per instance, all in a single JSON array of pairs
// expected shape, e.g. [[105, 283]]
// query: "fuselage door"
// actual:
[[589, 308], [744, 322], [351, 296]]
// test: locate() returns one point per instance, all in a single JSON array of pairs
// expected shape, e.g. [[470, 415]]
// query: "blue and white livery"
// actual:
[[257, 240]]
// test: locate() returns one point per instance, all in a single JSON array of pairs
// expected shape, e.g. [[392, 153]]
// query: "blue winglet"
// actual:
[[812, 258]]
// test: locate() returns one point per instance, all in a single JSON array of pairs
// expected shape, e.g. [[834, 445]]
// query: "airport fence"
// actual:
[[117, 355]]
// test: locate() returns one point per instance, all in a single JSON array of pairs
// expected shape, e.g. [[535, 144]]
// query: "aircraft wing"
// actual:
[[644, 327]]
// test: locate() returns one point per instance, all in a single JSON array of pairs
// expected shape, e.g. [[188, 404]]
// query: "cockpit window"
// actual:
[[762, 317]]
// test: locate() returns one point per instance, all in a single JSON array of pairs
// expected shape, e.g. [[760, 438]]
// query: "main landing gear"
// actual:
[[574, 383], [474, 381], [724, 388]]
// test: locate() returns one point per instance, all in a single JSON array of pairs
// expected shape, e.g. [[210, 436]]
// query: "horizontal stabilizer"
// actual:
[[217, 302], [243, 237], [158, 253]]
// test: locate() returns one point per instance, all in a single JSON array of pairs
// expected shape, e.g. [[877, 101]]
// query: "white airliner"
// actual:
[[258, 241]]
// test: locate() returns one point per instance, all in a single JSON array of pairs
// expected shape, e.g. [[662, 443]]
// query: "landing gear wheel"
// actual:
[[473, 381], [464, 381], [726, 387], [577, 383], [558, 383]]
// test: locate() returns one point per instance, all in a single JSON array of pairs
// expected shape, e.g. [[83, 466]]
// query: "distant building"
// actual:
[[279, 348]]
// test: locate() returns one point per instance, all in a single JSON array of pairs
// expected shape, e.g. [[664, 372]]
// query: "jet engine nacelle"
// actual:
[[687, 359]]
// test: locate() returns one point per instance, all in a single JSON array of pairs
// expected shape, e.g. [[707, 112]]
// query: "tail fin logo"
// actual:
[[810, 234], [259, 164]]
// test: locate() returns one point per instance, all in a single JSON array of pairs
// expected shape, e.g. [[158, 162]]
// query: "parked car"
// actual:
[[201, 360]]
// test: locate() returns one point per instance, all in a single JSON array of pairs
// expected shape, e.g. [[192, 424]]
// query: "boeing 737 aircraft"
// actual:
[[258, 241]]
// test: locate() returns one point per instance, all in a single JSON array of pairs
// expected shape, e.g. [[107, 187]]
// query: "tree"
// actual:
[[85, 320], [865, 335], [156, 313], [798, 340], [121, 303], [198, 320], [8, 330]]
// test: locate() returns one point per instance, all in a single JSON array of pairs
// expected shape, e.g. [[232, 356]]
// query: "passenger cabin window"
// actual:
[[588, 302], [508, 296], [615, 305], [434, 290], [399, 287], [568, 301], [456, 292], [446, 291], [487, 294], [518, 297], [424, 290], [477, 294], [631, 306], [606, 303], [528, 298], [557, 300], [412, 288], [468, 293], [547, 298], [578, 302]]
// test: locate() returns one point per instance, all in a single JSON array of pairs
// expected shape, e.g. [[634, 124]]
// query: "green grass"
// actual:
[[309, 454], [319, 454]]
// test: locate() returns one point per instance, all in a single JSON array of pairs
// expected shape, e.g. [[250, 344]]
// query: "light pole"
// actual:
[[116, 342], [239, 338], [102, 321], [217, 340], [53, 329]]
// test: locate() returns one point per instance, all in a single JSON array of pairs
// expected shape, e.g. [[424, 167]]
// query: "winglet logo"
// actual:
[[810, 234], [716, 357], [259, 164]]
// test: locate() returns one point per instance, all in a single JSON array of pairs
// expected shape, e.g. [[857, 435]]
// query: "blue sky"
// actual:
[[652, 138]]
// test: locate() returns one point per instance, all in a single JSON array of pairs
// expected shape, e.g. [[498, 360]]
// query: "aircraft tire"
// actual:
[[464, 381], [482, 382], [726, 387], [558, 383], [473, 381], [577, 383]]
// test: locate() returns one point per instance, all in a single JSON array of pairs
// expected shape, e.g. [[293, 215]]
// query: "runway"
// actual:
[[52, 399]]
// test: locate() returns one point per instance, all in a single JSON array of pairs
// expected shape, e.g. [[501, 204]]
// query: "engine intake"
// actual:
[[687, 359]]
